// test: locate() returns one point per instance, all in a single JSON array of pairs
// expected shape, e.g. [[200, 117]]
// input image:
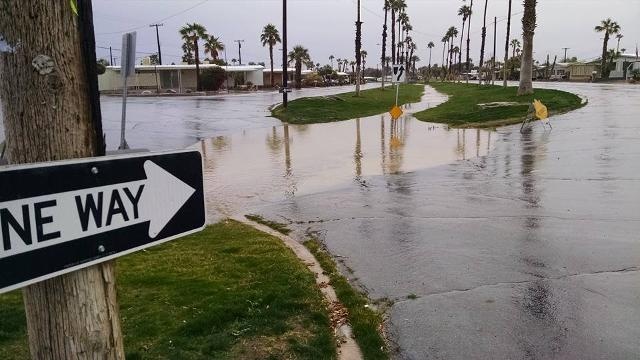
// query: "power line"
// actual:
[[157, 21]]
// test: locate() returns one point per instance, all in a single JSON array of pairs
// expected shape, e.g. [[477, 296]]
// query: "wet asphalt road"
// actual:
[[529, 252]]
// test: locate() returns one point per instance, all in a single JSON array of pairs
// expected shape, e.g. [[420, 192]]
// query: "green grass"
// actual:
[[279, 227], [365, 321], [346, 106], [229, 292], [462, 108]]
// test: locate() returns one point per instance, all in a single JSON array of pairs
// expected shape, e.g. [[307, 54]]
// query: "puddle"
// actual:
[[264, 165]]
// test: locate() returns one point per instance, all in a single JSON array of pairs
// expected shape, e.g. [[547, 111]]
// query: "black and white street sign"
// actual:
[[59, 217], [399, 73]]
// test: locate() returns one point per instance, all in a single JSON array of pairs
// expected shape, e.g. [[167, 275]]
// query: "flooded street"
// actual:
[[167, 123], [485, 244], [529, 251], [249, 169]]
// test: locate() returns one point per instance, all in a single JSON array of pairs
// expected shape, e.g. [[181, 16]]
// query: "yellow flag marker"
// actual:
[[541, 110], [395, 112]]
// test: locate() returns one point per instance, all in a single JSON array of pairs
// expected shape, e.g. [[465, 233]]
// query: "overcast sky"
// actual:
[[326, 27]]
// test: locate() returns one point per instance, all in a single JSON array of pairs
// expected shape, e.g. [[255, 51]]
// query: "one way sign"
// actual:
[[399, 73], [60, 217]]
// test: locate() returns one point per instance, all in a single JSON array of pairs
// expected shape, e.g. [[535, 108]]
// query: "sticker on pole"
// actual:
[[399, 73], [60, 217]]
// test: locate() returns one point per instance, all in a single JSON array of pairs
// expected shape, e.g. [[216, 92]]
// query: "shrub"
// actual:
[[212, 79]]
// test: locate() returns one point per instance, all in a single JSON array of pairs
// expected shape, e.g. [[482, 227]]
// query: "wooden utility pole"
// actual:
[[49, 94]]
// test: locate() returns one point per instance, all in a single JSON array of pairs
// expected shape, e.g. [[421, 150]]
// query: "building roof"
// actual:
[[239, 68]]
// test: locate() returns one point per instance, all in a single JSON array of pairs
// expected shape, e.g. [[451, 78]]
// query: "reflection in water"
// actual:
[[357, 156], [254, 171], [290, 188], [538, 301]]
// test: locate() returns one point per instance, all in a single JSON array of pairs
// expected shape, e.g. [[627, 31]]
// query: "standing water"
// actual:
[[255, 167]]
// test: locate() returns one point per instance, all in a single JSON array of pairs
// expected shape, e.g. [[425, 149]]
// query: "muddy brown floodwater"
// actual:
[[251, 168]]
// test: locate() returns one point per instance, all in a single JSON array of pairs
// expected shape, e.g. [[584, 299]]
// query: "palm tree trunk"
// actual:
[[358, 50], [484, 37], [429, 69], [384, 40], [460, 52], [469, 39], [603, 66], [197, 58], [444, 47], [298, 74], [528, 31], [506, 47], [271, 58], [393, 36]]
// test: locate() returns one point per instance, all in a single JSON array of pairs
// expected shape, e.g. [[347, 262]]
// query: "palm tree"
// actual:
[[353, 67], [384, 40], [212, 46], [465, 12], [191, 33], [609, 27], [484, 37], [299, 55], [403, 22], [515, 44], [270, 36], [331, 57], [469, 38], [358, 50], [430, 46], [396, 7], [444, 40], [506, 47], [526, 63], [452, 33], [619, 37]]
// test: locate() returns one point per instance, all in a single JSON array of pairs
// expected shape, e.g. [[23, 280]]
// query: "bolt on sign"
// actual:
[[59, 217]]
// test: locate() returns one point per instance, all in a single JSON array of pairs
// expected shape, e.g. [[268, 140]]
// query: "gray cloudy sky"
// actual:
[[326, 27]]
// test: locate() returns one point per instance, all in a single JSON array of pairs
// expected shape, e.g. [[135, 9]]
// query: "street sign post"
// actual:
[[60, 217], [127, 69]]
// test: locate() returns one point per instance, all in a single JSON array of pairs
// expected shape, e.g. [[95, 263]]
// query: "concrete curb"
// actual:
[[348, 349]]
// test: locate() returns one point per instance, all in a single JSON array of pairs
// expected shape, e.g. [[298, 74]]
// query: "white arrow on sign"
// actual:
[[48, 220]]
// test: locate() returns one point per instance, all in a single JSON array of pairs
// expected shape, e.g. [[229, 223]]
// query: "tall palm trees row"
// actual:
[[449, 51]]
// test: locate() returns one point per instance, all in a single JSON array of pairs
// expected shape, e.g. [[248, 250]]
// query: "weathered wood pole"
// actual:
[[49, 96]]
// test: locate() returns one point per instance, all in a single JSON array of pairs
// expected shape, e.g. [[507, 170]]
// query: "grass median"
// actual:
[[322, 109], [229, 292], [471, 105]]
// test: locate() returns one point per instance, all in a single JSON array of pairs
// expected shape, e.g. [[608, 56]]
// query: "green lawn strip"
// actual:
[[462, 108], [365, 321], [279, 227], [228, 292], [322, 109]]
